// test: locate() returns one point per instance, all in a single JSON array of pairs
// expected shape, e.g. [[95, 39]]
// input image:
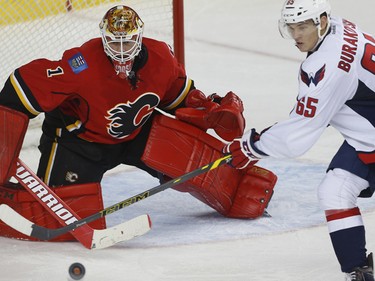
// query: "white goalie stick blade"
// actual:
[[15, 220], [101, 239], [121, 232]]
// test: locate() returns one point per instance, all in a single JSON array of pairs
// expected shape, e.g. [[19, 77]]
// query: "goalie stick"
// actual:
[[89, 237], [18, 222]]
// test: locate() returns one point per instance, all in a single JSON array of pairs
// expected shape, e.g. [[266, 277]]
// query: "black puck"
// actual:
[[77, 271]]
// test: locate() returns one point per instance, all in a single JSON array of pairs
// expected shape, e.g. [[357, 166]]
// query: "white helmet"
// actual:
[[122, 27], [295, 11]]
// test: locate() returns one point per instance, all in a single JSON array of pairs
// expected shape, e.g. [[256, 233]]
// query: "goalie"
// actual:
[[100, 104]]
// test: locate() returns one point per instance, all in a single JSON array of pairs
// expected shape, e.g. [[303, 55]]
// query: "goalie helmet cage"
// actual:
[[32, 29]]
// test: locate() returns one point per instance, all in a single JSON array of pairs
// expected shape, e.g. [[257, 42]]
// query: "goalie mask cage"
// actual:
[[32, 29]]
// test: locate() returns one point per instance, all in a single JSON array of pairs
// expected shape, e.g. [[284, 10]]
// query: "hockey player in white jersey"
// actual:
[[336, 88]]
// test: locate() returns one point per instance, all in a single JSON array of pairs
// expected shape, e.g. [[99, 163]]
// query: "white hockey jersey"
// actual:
[[336, 88]]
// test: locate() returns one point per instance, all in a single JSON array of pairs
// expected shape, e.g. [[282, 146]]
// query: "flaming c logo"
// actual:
[[125, 118]]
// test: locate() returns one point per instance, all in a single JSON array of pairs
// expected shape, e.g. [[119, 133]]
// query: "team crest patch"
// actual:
[[314, 78], [77, 63]]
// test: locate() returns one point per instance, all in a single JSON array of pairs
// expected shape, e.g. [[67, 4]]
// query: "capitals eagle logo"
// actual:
[[311, 77], [125, 118]]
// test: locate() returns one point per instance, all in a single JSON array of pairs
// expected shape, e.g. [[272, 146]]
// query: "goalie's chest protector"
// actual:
[[118, 109], [102, 106]]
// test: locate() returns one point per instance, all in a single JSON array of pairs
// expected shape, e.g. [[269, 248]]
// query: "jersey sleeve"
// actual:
[[179, 90], [178, 87], [323, 90], [39, 86]]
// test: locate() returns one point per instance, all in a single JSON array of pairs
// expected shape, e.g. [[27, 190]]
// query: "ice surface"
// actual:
[[230, 45]]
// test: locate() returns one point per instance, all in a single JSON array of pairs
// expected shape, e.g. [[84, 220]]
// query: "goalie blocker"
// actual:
[[175, 148]]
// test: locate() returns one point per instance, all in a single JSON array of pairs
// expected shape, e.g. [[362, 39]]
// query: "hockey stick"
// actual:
[[89, 237], [44, 233]]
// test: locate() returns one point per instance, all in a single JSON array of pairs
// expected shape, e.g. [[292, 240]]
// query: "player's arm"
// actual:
[[39, 86], [17, 95], [315, 107], [222, 114], [188, 104]]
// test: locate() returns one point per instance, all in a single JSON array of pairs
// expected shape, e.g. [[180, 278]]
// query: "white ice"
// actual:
[[229, 46]]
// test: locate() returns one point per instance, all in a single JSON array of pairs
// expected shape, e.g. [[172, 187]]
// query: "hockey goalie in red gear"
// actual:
[[99, 102]]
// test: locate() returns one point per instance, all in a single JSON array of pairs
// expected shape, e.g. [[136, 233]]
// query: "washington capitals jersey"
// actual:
[[336, 88], [94, 102]]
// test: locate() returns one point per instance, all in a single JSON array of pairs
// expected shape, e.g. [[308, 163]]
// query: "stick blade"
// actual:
[[122, 232], [15, 220]]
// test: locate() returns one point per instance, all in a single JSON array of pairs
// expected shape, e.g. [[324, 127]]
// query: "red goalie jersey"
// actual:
[[83, 89]]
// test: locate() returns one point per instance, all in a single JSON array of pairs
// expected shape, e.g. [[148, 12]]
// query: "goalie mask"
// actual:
[[298, 11], [122, 29]]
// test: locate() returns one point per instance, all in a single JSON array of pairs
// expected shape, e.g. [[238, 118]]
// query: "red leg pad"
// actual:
[[175, 148], [84, 199], [253, 194], [13, 125]]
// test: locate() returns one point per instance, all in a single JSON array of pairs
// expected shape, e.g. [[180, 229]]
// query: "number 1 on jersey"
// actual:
[[53, 72]]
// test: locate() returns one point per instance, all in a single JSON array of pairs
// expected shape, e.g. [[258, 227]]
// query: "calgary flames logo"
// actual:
[[125, 118]]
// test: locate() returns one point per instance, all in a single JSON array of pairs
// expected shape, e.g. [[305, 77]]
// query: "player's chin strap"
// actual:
[[78, 227], [321, 36]]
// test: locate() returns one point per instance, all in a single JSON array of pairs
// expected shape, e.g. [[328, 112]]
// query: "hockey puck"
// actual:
[[77, 271]]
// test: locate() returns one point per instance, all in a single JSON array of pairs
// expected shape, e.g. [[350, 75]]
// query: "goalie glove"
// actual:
[[223, 115], [243, 151]]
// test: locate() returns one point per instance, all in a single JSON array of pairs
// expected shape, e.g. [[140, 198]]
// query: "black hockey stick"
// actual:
[[44, 233]]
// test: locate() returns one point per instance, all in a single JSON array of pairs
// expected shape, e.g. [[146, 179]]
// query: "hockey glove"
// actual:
[[227, 120], [243, 151], [197, 109], [224, 115]]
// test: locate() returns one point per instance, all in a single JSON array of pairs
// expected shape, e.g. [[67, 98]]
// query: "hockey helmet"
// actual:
[[296, 11], [122, 29]]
